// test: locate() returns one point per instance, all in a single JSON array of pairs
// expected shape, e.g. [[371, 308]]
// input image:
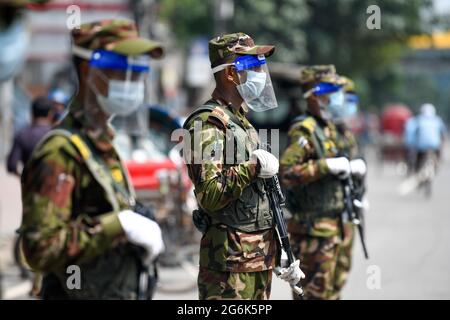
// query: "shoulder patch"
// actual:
[[218, 116], [309, 124], [302, 142]]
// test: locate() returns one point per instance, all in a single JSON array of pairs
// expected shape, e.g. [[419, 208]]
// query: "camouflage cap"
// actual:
[[349, 85], [119, 36], [320, 73], [225, 48]]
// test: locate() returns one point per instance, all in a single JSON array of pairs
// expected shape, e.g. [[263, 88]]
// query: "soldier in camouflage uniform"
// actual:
[[311, 169], [348, 147], [77, 200], [239, 248]]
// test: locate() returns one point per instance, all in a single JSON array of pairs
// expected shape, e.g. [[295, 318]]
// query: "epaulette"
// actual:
[[219, 118], [304, 122], [309, 124]]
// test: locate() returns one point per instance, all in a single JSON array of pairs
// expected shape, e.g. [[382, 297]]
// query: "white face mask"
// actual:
[[324, 112], [252, 88], [124, 97]]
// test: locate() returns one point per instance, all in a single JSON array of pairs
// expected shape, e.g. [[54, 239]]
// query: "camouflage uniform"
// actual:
[[314, 196], [234, 264], [73, 188]]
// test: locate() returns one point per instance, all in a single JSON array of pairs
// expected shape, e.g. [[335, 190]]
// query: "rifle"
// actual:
[[147, 279], [277, 201], [353, 207]]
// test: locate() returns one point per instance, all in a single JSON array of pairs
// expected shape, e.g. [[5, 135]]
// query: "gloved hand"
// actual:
[[358, 167], [268, 163], [142, 232], [339, 166], [292, 274]]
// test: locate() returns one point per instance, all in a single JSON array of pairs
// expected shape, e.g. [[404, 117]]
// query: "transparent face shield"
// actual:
[[331, 107], [351, 105], [336, 105], [119, 83], [343, 106], [255, 85]]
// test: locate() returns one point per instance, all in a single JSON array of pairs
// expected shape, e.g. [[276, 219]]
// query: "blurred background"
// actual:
[[396, 68]]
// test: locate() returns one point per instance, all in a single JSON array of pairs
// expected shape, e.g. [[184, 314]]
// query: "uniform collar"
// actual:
[[241, 111], [100, 136]]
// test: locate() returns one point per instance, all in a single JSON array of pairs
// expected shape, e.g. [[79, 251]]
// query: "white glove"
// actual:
[[142, 232], [358, 167], [292, 274], [339, 166], [268, 163]]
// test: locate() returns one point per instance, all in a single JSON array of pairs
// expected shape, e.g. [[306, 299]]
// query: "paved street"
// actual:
[[408, 241]]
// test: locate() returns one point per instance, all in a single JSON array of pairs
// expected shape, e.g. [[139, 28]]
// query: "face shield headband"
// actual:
[[255, 86], [322, 88], [123, 78], [104, 59], [242, 63]]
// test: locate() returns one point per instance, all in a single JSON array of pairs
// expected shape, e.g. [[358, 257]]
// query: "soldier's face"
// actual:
[[102, 78], [314, 103], [242, 78], [323, 99]]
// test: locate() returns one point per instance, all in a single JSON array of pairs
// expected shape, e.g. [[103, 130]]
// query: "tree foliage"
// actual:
[[318, 32]]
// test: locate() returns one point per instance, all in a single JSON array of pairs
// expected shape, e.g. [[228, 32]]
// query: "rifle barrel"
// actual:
[[276, 199]]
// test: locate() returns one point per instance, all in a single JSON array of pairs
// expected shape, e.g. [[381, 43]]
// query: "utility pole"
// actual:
[[223, 12]]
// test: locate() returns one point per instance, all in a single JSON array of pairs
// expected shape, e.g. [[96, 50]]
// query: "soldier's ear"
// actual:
[[231, 75]]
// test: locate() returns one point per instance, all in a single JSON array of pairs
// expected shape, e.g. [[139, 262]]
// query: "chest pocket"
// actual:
[[250, 213], [243, 141]]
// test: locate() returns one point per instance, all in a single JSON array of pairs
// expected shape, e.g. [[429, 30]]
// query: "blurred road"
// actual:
[[408, 241]]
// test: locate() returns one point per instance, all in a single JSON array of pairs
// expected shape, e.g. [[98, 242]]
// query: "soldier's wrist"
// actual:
[[323, 167], [111, 225], [254, 167]]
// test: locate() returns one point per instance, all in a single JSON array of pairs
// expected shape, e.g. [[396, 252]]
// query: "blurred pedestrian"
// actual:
[[26, 140], [424, 133], [59, 100]]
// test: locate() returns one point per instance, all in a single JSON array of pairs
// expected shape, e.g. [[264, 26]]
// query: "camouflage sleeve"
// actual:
[[297, 165], [50, 236], [216, 185]]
